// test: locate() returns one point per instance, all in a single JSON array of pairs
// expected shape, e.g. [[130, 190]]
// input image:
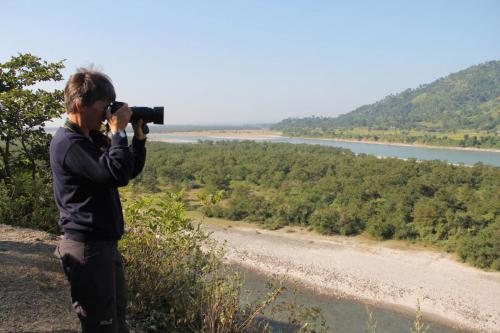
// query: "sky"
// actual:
[[249, 62]]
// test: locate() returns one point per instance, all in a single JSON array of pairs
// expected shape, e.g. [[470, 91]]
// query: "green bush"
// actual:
[[175, 277], [324, 220], [28, 203], [482, 249]]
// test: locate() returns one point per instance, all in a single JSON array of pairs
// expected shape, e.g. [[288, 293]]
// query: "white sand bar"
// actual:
[[346, 267]]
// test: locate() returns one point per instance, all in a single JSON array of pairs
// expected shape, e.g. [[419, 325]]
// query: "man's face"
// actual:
[[94, 115]]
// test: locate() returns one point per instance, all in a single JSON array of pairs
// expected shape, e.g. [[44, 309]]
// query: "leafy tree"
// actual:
[[23, 112], [209, 200], [25, 190], [324, 220]]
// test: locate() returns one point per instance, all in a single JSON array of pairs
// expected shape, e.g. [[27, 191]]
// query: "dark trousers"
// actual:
[[95, 272]]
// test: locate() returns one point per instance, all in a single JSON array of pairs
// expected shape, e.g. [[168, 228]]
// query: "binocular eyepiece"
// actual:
[[148, 115]]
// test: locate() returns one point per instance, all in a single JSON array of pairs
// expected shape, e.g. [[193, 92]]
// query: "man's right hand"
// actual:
[[119, 120]]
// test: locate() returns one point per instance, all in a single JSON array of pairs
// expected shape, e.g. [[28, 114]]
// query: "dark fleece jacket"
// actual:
[[86, 180]]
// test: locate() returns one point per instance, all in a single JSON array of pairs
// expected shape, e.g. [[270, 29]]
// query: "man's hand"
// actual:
[[138, 133], [119, 120]]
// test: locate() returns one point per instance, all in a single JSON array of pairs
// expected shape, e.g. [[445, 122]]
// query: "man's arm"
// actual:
[[138, 148], [112, 168]]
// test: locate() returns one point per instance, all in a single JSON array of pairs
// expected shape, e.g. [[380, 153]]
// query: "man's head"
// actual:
[[87, 94]]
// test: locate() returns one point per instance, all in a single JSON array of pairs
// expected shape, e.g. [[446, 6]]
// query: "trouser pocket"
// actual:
[[90, 269], [71, 256]]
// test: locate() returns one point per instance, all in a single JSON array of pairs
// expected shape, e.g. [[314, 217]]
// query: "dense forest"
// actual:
[[466, 100], [335, 192]]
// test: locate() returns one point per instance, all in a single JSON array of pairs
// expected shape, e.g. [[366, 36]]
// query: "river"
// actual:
[[326, 268], [455, 156], [340, 315]]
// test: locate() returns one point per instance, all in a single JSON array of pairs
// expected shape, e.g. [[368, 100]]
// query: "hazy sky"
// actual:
[[237, 62]]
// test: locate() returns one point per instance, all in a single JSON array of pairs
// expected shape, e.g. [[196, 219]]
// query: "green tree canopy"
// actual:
[[23, 111]]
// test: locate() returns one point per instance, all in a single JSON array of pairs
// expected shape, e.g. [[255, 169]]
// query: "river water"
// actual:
[[455, 156], [341, 316]]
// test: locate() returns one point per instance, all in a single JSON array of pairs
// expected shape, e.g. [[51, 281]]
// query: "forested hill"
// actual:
[[469, 99]]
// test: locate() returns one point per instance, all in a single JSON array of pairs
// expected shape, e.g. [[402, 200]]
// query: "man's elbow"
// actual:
[[119, 179], [122, 182], [137, 170]]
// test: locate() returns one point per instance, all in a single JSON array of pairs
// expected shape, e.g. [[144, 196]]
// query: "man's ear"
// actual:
[[78, 106]]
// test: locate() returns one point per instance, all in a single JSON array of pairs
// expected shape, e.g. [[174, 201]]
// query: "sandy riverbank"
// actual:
[[450, 292], [230, 134], [491, 150], [262, 135]]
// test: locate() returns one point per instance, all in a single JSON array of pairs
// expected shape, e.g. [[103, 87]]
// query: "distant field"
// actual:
[[229, 133], [460, 138], [457, 135]]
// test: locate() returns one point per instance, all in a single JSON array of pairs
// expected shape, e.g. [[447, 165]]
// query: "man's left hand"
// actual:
[[138, 133]]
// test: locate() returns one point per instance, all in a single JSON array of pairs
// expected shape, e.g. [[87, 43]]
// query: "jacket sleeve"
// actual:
[[111, 168], [138, 149]]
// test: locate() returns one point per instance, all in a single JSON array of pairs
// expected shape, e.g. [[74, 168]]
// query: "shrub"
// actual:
[[176, 279], [380, 229], [482, 249], [28, 203], [324, 220]]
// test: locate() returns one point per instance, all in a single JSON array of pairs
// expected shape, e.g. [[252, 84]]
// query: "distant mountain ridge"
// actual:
[[468, 99]]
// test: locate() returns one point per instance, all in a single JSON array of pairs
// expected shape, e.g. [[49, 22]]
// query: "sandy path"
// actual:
[[345, 267]]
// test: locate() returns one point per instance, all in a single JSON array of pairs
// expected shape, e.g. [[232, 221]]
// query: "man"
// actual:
[[87, 169]]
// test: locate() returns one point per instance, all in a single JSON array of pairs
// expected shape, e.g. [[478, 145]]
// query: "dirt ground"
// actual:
[[34, 293]]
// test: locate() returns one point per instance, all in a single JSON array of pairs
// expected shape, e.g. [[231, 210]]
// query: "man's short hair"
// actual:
[[87, 86]]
